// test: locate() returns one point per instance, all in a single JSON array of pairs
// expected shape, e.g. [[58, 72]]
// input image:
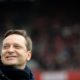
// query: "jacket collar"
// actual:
[[26, 73]]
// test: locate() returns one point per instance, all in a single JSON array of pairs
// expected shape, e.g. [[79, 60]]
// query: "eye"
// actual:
[[5, 46], [17, 46]]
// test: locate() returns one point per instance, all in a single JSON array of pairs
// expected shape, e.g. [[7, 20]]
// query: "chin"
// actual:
[[9, 63]]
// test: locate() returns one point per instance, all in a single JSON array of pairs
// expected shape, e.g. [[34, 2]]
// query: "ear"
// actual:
[[29, 54]]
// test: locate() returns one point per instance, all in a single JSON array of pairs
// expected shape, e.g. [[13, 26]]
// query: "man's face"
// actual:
[[14, 51]]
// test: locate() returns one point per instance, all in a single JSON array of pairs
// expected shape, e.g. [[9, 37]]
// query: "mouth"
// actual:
[[11, 57]]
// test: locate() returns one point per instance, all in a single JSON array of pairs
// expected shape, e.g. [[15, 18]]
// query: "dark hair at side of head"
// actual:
[[22, 33]]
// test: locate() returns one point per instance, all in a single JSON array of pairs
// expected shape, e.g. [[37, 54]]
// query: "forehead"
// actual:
[[14, 38]]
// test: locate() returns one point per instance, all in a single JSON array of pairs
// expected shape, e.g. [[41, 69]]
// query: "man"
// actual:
[[15, 53]]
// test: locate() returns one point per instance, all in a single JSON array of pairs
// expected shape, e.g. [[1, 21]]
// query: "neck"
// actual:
[[20, 67]]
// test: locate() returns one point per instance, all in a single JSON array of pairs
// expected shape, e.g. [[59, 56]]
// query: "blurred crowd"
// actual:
[[56, 46]]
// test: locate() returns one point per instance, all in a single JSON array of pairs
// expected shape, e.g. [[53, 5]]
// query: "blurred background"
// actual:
[[55, 31]]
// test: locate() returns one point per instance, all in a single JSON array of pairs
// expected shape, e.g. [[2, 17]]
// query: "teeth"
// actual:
[[10, 56]]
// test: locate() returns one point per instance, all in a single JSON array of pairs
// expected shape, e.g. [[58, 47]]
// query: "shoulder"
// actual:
[[2, 76], [29, 72]]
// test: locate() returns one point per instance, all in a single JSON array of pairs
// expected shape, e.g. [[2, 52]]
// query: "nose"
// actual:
[[11, 49]]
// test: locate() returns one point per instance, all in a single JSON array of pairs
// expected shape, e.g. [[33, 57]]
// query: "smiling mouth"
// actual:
[[11, 57]]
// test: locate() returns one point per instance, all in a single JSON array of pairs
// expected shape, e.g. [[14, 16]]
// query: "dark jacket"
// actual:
[[10, 73]]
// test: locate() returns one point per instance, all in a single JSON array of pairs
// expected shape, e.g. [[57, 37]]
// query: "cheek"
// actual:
[[22, 58], [23, 54], [2, 53], [2, 57]]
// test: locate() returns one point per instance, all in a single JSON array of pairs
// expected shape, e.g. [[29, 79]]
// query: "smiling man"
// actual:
[[15, 53]]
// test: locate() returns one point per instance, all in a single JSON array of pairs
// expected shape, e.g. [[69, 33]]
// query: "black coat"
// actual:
[[10, 73]]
